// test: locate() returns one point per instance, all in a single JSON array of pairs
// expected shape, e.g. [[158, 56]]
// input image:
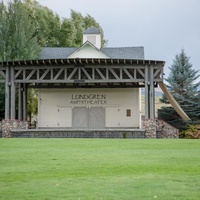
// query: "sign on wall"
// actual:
[[84, 99]]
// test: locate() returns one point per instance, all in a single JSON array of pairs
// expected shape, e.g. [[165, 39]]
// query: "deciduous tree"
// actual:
[[26, 26], [18, 39], [17, 33]]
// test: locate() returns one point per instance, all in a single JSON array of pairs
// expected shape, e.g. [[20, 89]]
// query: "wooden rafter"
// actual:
[[84, 71]]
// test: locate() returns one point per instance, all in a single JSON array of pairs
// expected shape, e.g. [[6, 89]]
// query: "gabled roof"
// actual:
[[91, 46], [136, 53], [124, 52], [92, 30], [56, 52]]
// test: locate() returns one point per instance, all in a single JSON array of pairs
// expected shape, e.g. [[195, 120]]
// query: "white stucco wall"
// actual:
[[95, 39], [88, 51], [56, 106]]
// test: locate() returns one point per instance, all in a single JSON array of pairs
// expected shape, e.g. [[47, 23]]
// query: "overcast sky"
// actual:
[[163, 27]]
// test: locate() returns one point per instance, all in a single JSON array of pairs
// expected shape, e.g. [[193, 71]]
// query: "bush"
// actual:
[[192, 132]]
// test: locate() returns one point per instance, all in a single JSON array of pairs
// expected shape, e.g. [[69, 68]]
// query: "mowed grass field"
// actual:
[[99, 169]]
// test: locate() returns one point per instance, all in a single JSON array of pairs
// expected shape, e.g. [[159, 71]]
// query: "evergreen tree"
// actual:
[[184, 86]]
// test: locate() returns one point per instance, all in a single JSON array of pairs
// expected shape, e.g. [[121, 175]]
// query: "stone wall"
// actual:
[[150, 128], [156, 128], [8, 125], [49, 133], [165, 130], [0, 129], [153, 128]]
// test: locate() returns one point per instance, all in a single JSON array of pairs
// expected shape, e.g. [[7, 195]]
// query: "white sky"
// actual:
[[163, 27]]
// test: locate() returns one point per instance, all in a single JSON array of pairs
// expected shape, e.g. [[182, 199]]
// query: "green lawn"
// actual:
[[99, 169]]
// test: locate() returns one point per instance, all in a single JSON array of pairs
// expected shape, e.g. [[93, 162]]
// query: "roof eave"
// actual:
[[72, 61]]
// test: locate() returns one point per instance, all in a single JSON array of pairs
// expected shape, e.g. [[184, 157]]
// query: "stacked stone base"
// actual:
[[51, 133], [8, 125], [155, 128], [152, 128]]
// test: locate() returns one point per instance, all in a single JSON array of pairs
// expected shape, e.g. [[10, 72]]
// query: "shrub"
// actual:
[[192, 132]]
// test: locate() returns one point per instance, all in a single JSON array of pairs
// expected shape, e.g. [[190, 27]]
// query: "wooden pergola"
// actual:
[[18, 76]]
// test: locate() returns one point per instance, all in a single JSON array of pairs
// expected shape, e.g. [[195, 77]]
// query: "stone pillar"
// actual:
[[8, 125], [0, 129], [150, 128]]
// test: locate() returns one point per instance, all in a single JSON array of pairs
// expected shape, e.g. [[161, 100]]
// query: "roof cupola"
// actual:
[[93, 35]]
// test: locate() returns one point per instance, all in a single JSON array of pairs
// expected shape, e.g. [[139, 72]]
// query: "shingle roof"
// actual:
[[92, 30], [136, 53], [124, 52], [56, 52]]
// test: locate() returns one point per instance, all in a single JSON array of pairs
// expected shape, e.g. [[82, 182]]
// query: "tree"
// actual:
[[26, 26], [32, 108], [67, 33], [184, 86], [72, 29], [3, 31], [90, 21], [3, 35], [18, 39], [19, 42], [47, 23], [54, 32]]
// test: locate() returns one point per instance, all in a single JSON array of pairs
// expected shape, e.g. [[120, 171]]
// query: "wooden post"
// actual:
[[19, 102], [146, 93], [152, 94], [7, 94], [24, 102], [12, 116]]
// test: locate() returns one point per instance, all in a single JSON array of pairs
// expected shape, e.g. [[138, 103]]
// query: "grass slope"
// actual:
[[99, 169]]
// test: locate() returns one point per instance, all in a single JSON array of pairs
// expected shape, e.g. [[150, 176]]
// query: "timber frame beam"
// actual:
[[78, 73]]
